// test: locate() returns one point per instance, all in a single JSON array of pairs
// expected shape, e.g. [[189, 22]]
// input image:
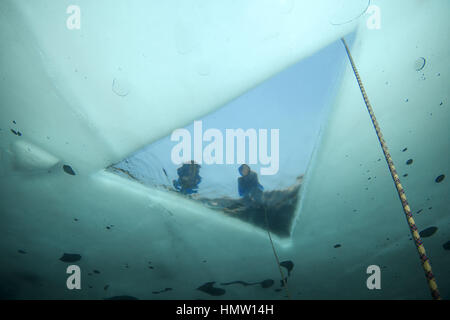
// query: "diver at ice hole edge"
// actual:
[[249, 187], [188, 178]]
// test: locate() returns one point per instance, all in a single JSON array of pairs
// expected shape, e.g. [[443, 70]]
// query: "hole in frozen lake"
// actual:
[[273, 128]]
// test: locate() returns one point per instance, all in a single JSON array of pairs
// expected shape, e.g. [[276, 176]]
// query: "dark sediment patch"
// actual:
[[264, 284], [68, 169], [337, 245], [161, 291], [208, 288], [17, 133], [244, 283], [21, 251], [289, 265], [96, 271], [70, 257], [440, 178], [404, 149], [122, 298], [428, 232], [267, 283], [446, 245]]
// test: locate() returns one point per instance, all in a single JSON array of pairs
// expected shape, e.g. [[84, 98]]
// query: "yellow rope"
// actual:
[[276, 257], [412, 226]]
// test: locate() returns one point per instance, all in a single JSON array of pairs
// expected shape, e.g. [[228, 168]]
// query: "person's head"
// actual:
[[191, 164], [193, 167], [244, 170]]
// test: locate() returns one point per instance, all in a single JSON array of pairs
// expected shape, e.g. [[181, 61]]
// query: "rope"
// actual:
[[276, 257], [409, 218]]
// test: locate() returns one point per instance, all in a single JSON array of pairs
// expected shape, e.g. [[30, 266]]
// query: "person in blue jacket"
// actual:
[[248, 185], [188, 178]]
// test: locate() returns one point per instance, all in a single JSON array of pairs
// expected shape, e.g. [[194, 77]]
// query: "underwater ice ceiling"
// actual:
[[109, 95]]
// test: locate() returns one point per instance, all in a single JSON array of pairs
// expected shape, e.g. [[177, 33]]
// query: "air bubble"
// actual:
[[120, 87], [419, 64]]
